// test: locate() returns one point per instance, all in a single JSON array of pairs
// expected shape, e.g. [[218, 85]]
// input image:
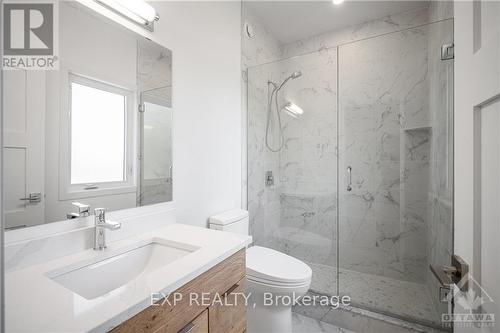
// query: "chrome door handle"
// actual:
[[33, 198], [349, 173], [448, 276], [170, 174]]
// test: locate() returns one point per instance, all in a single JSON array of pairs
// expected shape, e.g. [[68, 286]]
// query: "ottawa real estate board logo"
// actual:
[[30, 35]]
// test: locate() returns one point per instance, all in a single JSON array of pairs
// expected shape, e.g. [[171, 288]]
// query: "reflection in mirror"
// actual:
[[155, 124], [95, 133]]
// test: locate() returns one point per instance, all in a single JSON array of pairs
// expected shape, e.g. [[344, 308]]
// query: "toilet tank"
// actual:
[[235, 220]]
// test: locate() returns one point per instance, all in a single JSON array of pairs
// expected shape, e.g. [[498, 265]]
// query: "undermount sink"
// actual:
[[98, 276]]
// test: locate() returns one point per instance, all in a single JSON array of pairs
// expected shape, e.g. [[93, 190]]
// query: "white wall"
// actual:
[[205, 40], [464, 129], [2, 324]]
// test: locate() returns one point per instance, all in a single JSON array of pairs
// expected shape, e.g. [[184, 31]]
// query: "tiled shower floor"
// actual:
[[303, 324], [381, 294]]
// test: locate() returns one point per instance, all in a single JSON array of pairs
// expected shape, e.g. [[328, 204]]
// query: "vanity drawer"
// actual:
[[171, 317], [199, 325], [230, 316]]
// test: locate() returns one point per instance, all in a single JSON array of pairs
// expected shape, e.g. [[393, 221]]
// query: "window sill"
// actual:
[[99, 192]]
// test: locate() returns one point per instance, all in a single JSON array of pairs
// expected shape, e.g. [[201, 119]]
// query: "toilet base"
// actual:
[[269, 319], [269, 308]]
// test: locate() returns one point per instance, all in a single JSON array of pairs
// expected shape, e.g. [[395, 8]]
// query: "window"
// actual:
[[97, 135], [100, 138]]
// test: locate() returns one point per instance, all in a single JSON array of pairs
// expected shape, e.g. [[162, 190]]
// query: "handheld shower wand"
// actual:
[[274, 93]]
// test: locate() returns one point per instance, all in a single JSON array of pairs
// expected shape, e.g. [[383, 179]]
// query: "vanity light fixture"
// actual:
[[293, 110], [139, 11], [337, 2]]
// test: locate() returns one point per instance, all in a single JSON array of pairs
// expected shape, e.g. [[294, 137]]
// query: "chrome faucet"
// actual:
[[99, 230]]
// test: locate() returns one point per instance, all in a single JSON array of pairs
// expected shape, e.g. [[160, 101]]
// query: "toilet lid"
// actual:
[[270, 265]]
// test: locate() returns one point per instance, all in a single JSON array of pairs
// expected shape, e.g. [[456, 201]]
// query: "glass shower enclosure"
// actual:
[[155, 181], [362, 187]]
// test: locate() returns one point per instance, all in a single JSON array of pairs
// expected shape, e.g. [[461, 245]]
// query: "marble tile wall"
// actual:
[[298, 214], [261, 49], [263, 201], [432, 12], [382, 92], [308, 161], [308, 228], [154, 70], [155, 191]]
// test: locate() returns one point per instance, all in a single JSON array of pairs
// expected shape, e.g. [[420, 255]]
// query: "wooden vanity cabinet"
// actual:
[[222, 311], [230, 316], [198, 325]]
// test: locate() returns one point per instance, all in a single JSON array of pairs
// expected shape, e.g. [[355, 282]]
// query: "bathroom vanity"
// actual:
[[212, 302], [123, 287]]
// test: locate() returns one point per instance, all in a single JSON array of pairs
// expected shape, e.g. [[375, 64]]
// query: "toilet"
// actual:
[[270, 275]]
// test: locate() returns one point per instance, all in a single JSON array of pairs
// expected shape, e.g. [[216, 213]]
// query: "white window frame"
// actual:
[[76, 191]]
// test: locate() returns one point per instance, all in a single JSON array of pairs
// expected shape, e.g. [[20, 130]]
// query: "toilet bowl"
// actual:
[[274, 280]]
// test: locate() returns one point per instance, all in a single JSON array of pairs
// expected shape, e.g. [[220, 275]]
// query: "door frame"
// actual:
[[477, 83]]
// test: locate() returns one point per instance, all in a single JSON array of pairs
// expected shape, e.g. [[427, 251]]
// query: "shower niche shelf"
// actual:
[[417, 128]]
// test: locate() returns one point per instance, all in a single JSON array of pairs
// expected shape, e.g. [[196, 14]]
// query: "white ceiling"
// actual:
[[290, 21]]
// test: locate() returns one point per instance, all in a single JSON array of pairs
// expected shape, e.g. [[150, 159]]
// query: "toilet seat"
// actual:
[[269, 267]]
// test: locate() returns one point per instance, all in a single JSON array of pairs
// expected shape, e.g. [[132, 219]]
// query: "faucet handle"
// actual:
[[100, 213], [83, 210]]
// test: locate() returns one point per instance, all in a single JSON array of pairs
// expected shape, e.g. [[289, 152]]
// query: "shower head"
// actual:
[[296, 74], [293, 110], [292, 76]]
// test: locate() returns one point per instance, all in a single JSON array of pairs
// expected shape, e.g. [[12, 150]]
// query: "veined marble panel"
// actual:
[[308, 161], [263, 201], [384, 88], [155, 191], [436, 11], [308, 227], [300, 203]]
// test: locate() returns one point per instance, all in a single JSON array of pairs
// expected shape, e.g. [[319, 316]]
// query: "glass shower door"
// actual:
[[395, 185], [156, 149]]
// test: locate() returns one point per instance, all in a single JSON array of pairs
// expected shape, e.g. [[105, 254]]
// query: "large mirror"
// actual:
[[95, 133]]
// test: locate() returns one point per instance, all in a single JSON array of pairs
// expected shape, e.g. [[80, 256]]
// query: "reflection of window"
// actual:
[[99, 135], [157, 148], [98, 132]]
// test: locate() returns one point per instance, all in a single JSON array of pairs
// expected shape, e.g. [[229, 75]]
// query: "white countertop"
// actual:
[[36, 303]]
